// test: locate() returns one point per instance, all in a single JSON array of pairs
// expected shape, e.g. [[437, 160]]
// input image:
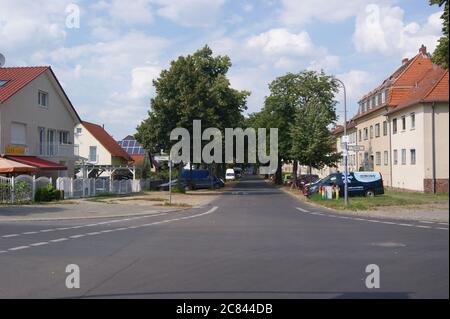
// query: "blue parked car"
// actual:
[[201, 179], [359, 184]]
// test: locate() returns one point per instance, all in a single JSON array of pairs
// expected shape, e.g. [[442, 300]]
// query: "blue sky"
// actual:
[[107, 65]]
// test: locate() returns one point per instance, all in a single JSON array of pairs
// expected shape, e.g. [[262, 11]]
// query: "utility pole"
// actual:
[[345, 142]]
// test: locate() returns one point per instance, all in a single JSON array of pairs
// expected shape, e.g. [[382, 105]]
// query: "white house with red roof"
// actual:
[[99, 148], [36, 122]]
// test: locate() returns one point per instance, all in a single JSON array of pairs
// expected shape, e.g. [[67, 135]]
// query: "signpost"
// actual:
[[165, 158]]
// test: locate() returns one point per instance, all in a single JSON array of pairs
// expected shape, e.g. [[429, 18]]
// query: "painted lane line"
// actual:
[[58, 240], [3, 251], [111, 230], [384, 222], [30, 233], [19, 248], [47, 230], [11, 235], [77, 236], [39, 244], [303, 210]]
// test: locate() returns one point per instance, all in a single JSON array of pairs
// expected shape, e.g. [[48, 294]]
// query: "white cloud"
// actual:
[[282, 42], [295, 12], [27, 24], [142, 81], [200, 13], [382, 29], [127, 12], [286, 50], [357, 83]]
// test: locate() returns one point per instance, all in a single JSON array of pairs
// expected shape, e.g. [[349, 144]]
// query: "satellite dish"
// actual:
[[2, 60]]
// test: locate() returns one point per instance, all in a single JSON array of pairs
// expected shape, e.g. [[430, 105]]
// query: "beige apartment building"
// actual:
[[403, 126], [36, 121]]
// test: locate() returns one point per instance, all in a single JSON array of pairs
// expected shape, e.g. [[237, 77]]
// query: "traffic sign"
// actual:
[[159, 158], [356, 148]]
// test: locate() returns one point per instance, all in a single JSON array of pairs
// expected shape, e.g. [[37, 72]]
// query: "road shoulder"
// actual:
[[412, 213]]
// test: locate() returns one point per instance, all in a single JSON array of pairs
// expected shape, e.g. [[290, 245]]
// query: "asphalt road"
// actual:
[[252, 242]]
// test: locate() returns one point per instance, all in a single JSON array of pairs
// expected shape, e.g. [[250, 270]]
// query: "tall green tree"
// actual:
[[195, 87], [314, 143], [441, 55], [288, 95]]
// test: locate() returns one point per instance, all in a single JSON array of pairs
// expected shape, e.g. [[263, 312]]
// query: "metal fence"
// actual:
[[21, 188], [90, 187]]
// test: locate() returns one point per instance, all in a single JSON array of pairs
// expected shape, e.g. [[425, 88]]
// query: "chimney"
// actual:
[[404, 61], [423, 50]]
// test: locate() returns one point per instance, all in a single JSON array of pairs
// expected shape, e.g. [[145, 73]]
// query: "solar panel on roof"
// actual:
[[132, 147]]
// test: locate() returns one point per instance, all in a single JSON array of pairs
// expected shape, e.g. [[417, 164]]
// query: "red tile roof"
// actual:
[[106, 140], [433, 87], [412, 83], [17, 77]]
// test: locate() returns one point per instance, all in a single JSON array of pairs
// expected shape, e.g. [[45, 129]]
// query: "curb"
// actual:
[[93, 217], [357, 213]]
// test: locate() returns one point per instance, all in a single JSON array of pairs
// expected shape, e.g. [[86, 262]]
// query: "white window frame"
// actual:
[[18, 140], [43, 93], [413, 160], [412, 117]]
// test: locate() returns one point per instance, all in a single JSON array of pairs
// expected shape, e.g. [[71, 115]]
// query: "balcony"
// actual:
[[57, 150]]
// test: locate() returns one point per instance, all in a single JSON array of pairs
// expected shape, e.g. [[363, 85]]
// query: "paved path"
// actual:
[[254, 241]]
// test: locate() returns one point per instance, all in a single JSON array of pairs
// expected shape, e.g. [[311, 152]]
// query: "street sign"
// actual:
[[356, 148], [160, 158], [345, 139]]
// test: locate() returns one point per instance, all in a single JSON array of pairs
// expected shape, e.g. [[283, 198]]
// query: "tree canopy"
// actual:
[[441, 54], [195, 87]]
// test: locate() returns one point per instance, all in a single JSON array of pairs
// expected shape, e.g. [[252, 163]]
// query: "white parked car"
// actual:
[[229, 175]]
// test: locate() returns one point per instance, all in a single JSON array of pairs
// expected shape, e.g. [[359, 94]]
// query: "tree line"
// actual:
[[195, 87]]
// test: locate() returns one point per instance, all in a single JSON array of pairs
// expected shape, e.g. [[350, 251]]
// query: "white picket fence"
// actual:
[[90, 187], [21, 188]]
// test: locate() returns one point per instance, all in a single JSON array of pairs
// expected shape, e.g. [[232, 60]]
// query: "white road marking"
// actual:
[[3, 251], [429, 223], [58, 240], [39, 244], [110, 230], [81, 226], [9, 236], [77, 236], [19, 248]]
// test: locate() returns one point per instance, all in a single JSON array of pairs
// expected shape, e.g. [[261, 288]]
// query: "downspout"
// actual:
[[390, 147], [433, 145]]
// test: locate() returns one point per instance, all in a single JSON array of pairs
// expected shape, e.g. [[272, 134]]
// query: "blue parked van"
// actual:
[[359, 184]]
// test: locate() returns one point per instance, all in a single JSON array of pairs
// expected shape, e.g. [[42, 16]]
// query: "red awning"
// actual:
[[40, 163], [7, 166]]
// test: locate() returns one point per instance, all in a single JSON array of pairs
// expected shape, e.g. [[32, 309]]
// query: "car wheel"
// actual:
[[370, 193]]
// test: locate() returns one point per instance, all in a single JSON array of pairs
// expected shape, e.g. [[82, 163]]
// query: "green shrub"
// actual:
[[47, 193], [178, 189]]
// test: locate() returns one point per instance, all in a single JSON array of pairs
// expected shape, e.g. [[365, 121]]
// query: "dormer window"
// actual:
[[43, 99], [3, 82]]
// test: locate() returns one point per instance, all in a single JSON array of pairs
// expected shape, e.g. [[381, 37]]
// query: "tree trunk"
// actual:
[[294, 174], [279, 173]]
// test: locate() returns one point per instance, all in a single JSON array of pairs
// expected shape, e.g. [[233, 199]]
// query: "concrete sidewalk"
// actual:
[[78, 210]]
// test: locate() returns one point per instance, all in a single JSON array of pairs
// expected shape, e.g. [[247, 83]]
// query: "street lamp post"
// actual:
[[345, 145]]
